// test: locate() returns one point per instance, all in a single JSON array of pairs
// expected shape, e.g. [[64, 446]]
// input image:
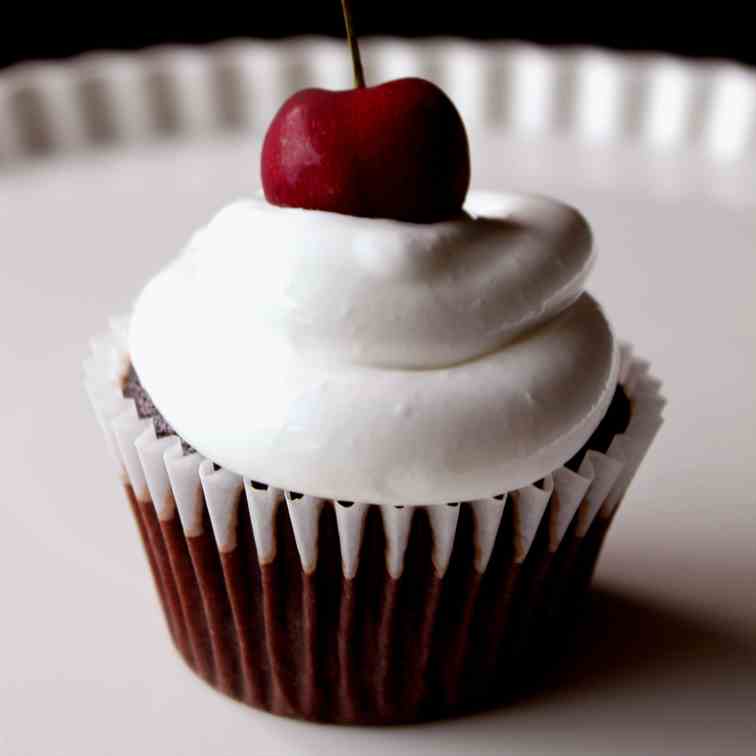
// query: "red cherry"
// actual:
[[397, 150]]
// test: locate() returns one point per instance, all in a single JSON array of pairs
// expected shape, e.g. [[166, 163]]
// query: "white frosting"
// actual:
[[380, 361]]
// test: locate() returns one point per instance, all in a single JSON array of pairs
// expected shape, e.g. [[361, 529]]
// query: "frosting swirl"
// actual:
[[381, 361]]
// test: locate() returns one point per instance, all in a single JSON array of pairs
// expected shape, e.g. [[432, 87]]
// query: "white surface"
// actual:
[[438, 371], [667, 662]]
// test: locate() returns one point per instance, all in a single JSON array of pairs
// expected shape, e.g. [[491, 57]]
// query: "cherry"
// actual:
[[397, 150]]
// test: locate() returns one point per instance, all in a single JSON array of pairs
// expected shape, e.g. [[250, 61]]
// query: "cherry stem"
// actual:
[[359, 74]]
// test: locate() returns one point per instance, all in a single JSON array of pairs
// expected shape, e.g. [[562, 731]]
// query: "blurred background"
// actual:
[[64, 30]]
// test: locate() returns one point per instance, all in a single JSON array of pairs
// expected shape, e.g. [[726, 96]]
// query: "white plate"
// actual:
[[660, 154]]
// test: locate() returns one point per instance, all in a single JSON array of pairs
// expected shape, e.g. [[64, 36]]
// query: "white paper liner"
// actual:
[[160, 472]]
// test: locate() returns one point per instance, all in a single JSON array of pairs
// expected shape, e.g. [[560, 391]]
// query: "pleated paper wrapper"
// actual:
[[354, 612]]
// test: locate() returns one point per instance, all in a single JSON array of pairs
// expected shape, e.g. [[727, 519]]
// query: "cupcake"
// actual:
[[372, 455]]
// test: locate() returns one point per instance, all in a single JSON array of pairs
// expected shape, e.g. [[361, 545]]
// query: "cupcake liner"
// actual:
[[356, 612]]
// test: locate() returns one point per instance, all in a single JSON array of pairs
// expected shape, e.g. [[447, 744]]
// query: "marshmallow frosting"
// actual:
[[380, 361]]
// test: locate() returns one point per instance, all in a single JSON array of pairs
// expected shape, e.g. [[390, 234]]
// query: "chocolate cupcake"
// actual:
[[372, 461]]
